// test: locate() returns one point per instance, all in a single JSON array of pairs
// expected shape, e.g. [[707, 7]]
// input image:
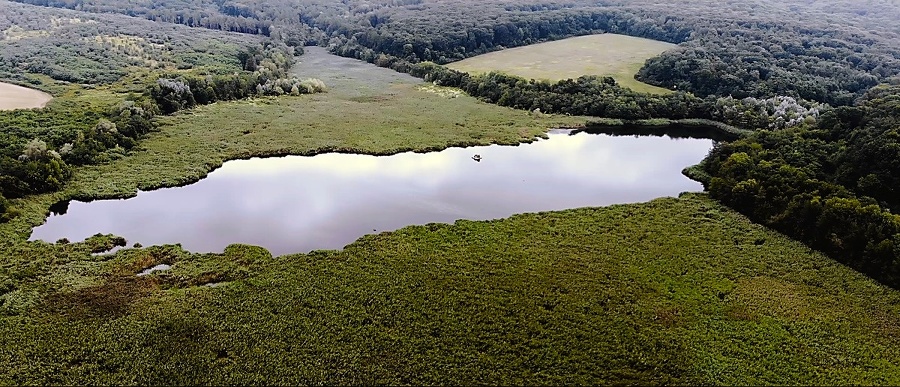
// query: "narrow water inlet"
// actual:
[[151, 270], [109, 252], [297, 204]]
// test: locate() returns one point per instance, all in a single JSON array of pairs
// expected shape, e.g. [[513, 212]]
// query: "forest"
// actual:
[[99, 49], [832, 185], [808, 52]]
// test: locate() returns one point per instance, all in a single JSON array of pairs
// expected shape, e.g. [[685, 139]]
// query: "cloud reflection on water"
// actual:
[[298, 204]]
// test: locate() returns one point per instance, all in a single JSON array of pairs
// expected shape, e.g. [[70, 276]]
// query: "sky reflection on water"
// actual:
[[298, 204]]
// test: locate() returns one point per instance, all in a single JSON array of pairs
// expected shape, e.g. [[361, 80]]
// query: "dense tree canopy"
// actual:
[[831, 185], [87, 48], [869, 162]]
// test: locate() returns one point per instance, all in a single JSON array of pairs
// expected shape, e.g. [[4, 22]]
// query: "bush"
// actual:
[[5, 214]]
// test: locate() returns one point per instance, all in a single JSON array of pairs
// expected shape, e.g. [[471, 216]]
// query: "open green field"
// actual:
[[18, 97], [613, 55]]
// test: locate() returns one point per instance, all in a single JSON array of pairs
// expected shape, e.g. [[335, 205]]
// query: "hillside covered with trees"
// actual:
[[759, 49], [833, 185], [89, 48]]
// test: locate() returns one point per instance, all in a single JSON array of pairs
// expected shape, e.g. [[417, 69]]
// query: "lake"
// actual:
[[17, 97], [297, 204]]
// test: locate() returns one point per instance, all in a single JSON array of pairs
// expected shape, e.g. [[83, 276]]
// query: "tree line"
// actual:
[[719, 58], [587, 95], [267, 73], [40, 147], [225, 17], [602, 97]]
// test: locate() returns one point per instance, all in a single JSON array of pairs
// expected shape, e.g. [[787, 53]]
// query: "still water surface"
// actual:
[[298, 204]]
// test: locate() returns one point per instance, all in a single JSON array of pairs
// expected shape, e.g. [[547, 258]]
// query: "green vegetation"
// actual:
[[613, 55], [389, 121], [826, 51], [833, 185], [89, 48], [266, 70], [675, 291], [830, 51], [38, 148], [588, 95]]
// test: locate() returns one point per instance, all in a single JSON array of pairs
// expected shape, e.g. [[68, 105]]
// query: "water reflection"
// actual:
[[298, 204]]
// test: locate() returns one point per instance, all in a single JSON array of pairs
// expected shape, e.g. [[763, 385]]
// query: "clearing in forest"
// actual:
[[617, 56], [18, 97]]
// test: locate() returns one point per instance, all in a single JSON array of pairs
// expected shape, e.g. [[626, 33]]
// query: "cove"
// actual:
[[298, 204]]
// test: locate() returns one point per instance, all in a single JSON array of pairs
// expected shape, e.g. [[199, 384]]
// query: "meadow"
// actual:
[[613, 55], [17, 97]]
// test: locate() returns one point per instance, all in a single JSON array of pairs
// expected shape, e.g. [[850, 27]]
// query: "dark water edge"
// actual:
[[687, 128]]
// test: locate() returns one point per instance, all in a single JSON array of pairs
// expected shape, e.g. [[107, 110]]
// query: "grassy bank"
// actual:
[[613, 55], [670, 291]]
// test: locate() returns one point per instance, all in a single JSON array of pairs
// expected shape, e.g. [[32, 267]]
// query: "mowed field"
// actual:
[[18, 97], [618, 56]]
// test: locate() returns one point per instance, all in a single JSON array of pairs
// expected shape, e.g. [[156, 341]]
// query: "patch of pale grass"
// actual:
[[613, 55], [446, 92]]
